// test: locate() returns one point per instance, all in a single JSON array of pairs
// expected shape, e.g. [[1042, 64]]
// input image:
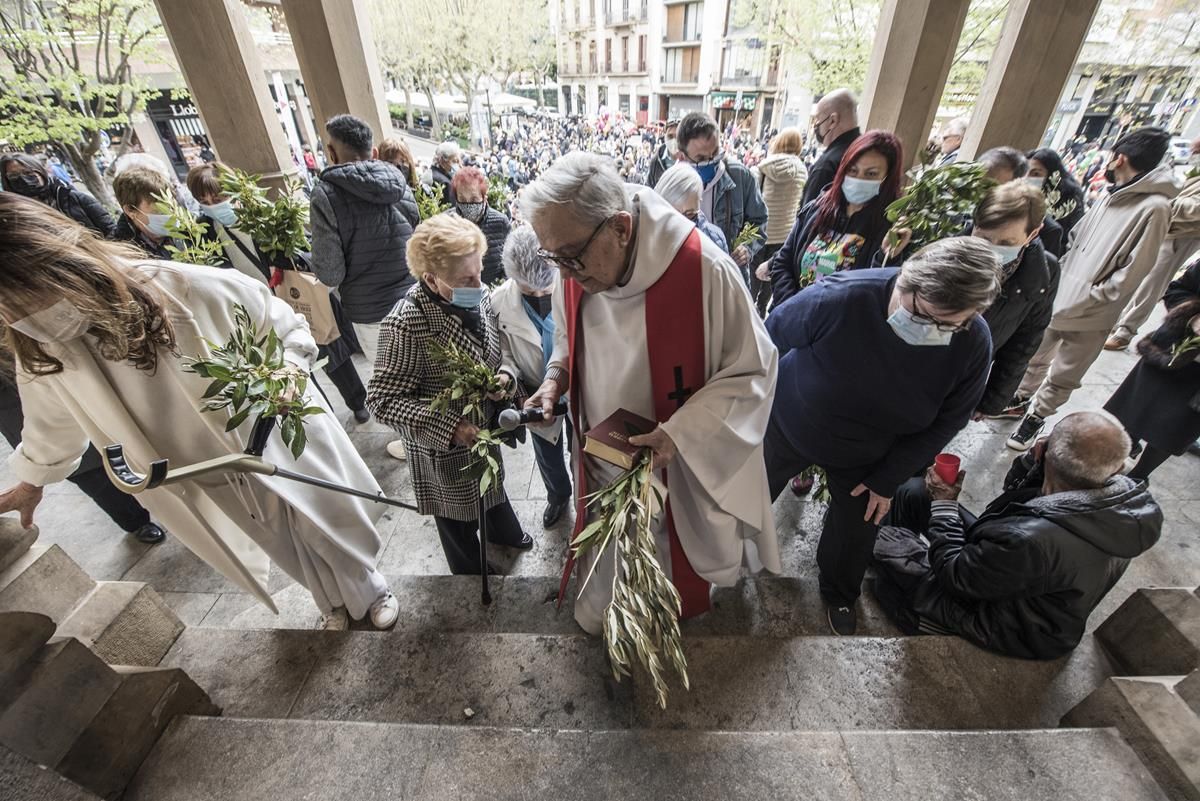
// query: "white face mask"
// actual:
[[1035, 182], [61, 322], [917, 332]]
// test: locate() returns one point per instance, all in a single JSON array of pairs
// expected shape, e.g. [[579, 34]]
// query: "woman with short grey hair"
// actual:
[[878, 370], [523, 306], [681, 187]]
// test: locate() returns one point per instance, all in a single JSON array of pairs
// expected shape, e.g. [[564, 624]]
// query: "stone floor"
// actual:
[[202, 597]]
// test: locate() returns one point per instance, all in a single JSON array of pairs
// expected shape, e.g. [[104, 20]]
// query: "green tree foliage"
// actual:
[[67, 74]]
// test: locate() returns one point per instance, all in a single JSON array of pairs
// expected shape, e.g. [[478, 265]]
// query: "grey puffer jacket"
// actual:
[[363, 213]]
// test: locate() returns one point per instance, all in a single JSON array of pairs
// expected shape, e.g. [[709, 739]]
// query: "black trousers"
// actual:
[[847, 540], [553, 467], [761, 290], [1151, 459], [122, 507], [349, 385], [460, 540]]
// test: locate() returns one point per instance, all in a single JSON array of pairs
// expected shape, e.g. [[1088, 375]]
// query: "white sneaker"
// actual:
[[337, 620], [395, 449], [385, 611]]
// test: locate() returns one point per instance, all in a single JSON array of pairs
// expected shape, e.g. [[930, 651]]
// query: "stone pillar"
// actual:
[[224, 74], [151, 142], [1035, 55], [914, 48], [336, 51]]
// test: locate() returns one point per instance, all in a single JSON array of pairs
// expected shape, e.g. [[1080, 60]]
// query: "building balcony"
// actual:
[[626, 14], [682, 42], [742, 81], [688, 81]]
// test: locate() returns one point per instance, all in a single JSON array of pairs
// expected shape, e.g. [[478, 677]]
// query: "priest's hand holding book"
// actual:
[[660, 443]]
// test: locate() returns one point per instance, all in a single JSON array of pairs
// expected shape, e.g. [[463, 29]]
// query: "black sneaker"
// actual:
[[361, 415], [1026, 434], [843, 620], [1015, 409], [151, 534]]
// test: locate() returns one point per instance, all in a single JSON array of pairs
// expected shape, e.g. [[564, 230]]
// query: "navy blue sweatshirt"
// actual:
[[852, 394]]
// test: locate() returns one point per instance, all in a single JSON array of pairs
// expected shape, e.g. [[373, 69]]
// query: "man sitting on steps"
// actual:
[[1022, 578]]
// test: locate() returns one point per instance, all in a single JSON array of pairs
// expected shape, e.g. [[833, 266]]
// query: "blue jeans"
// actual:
[[553, 468]]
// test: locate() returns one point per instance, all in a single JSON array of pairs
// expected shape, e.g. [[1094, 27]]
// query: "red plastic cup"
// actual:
[[946, 466]]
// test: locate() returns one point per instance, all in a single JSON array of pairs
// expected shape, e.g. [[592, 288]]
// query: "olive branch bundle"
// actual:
[[820, 490], [429, 202], [183, 227], [276, 227], [250, 377], [642, 620], [467, 379], [1057, 207], [745, 236], [1186, 346], [937, 202]]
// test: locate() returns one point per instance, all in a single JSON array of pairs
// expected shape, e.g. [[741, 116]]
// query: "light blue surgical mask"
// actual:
[[222, 212], [1007, 254], [467, 297], [858, 191], [157, 224], [917, 332], [1035, 181]]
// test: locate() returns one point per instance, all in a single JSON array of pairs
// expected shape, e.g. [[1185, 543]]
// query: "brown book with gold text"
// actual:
[[610, 439]]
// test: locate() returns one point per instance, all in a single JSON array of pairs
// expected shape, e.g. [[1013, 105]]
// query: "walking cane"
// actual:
[[483, 563], [249, 461]]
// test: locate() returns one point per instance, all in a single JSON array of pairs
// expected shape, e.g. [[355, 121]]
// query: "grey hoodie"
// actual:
[[1113, 249], [363, 213]]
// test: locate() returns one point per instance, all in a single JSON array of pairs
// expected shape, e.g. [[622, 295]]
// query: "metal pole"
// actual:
[[329, 485], [486, 598]]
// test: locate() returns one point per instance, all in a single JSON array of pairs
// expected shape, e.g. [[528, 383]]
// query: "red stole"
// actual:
[[675, 343]]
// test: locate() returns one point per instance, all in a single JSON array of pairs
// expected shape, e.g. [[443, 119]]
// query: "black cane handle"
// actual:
[[120, 471]]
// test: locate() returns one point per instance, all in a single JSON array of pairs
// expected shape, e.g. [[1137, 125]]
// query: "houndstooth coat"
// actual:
[[405, 381]]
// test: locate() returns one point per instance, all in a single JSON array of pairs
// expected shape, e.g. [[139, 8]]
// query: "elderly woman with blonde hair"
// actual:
[[447, 306]]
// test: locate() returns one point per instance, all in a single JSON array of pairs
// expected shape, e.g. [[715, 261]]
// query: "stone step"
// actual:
[[561, 681], [761, 607], [24, 780], [124, 623], [44, 580], [51, 700], [22, 634], [15, 540], [1155, 632], [112, 747], [1157, 722], [224, 759]]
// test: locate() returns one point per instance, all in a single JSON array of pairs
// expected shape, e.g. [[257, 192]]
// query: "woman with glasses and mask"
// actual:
[[844, 228], [878, 370], [681, 187], [447, 306], [27, 175], [469, 188]]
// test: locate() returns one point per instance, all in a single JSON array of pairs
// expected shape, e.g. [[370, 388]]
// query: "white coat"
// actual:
[[521, 345], [226, 520]]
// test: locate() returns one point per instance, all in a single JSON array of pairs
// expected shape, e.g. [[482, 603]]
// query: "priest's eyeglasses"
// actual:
[[573, 263], [941, 325]]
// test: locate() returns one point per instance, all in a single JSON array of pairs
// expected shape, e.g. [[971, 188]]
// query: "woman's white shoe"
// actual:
[[337, 620], [385, 611], [395, 449]]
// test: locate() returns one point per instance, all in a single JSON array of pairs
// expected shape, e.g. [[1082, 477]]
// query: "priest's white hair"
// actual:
[[522, 262], [588, 183], [681, 187]]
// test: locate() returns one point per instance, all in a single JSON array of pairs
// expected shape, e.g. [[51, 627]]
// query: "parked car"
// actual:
[[1181, 149]]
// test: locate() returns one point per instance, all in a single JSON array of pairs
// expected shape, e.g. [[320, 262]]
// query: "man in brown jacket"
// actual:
[[1182, 242], [1113, 249]]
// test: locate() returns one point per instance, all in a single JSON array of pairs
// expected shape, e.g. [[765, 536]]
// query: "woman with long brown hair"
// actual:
[[101, 336]]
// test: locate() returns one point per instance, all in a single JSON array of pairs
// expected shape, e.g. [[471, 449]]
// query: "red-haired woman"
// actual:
[[844, 227], [469, 188]]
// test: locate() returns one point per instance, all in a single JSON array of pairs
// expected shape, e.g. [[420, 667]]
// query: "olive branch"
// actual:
[[250, 377], [642, 620], [183, 226], [820, 490], [1057, 207], [748, 234], [936, 203], [1183, 347], [470, 381], [429, 202]]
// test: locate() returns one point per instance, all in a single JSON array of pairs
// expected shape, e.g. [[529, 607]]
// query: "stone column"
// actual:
[[914, 48], [1035, 55], [151, 142], [224, 74], [336, 51]]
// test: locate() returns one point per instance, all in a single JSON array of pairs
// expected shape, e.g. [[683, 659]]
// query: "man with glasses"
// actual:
[[731, 198], [835, 125], [653, 318], [878, 370]]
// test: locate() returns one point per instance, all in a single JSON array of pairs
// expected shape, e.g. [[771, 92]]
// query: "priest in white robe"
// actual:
[[652, 317]]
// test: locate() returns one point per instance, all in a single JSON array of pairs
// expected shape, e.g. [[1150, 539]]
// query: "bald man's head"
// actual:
[[1085, 450], [836, 113]]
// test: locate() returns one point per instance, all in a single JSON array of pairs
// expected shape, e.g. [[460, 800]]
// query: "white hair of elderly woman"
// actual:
[[954, 274], [586, 182], [681, 187], [131, 160], [448, 150], [522, 262]]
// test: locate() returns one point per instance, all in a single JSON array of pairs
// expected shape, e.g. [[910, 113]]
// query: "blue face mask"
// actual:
[[467, 297], [858, 191], [222, 212], [157, 224], [708, 170], [1007, 254], [917, 332]]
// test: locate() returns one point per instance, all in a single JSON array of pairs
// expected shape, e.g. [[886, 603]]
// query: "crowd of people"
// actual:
[[752, 301]]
